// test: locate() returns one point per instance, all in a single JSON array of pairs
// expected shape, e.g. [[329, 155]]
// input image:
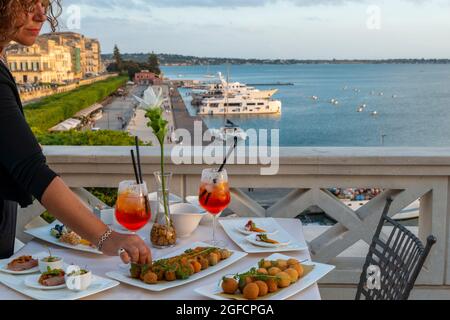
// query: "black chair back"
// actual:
[[392, 265]]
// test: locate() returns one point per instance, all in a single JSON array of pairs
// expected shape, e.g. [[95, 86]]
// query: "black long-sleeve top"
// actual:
[[24, 173]]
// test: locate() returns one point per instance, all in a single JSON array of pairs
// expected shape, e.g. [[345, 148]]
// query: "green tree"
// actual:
[[153, 64], [118, 58]]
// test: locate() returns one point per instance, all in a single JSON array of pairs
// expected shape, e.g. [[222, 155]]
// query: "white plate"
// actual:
[[4, 268], [43, 233], [17, 283], [229, 226], [283, 241], [320, 270], [33, 282], [269, 228], [124, 275]]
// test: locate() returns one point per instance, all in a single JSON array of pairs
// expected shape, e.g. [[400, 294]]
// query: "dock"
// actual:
[[181, 116], [271, 84]]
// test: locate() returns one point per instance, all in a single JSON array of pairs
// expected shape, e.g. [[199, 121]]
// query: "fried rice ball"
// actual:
[[274, 271], [229, 285], [272, 285], [284, 280], [266, 264], [251, 291], [225, 254], [293, 274], [246, 281], [170, 276], [298, 267], [282, 264], [197, 266], [213, 259], [263, 288], [204, 263], [262, 271], [151, 278], [291, 262]]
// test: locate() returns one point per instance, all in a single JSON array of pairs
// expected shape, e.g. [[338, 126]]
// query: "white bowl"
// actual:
[[207, 218], [43, 265], [186, 218], [79, 282]]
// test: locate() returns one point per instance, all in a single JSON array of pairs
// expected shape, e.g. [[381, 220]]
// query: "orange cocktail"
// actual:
[[132, 208], [214, 196]]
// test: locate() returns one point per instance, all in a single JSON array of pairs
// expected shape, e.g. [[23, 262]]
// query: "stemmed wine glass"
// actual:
[[214, 197]]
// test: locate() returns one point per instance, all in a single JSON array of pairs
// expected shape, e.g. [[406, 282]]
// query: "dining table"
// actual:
[[101, 264]]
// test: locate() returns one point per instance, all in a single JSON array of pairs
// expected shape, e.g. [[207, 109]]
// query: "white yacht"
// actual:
[[229, 89], [239, 105]]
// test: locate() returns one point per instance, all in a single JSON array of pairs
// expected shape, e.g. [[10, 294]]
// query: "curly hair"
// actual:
[[11, 11]]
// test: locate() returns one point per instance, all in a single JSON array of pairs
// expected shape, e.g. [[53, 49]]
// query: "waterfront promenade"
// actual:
[[119, 111], [175, 112], [182, 117]]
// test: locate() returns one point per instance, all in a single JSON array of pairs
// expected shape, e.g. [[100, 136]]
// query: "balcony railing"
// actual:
[[407, 174]]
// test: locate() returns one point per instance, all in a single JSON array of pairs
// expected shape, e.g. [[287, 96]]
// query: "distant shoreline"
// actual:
[[180, 60]]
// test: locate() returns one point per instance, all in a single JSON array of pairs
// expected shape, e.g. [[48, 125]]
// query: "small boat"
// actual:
[[315, 98], [381, 94], [374, 113], [360, 109], [394, 96], [336, 102], [332, 101], [229, 132]]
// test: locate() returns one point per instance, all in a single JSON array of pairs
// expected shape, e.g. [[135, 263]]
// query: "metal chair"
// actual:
[[393, 265]]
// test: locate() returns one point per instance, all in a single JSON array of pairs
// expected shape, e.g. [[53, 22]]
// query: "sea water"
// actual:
[[412, 102]]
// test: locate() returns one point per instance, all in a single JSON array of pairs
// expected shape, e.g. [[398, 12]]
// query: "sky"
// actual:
[[297, 29]]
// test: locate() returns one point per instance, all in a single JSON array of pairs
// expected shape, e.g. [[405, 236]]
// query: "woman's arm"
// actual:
[[21, 157], [63, 204]]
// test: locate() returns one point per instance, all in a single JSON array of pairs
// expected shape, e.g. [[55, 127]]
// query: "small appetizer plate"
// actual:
[[229, 226], [17, 283], [268, 229], [282, 241], [33, 282], [43, 233]]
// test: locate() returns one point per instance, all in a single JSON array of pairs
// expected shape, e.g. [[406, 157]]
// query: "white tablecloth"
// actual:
[[100, 265]]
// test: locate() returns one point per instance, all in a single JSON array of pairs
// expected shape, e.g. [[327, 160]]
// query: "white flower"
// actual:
[[151, 100]]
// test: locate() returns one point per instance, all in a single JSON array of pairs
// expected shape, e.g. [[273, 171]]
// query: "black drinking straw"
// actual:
[[221, 168], [136, 140], [138, 172], [134, 166]]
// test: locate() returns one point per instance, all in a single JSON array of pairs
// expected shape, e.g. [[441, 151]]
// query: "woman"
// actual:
[[23, 170]]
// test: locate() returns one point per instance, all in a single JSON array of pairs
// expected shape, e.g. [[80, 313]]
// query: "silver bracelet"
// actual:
[[103, 238]]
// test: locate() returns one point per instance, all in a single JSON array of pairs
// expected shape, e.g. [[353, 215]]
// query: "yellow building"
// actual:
[[44, 62], [55, 58], [86, 52]]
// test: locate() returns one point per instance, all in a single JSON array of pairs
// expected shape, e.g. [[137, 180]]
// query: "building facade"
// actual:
[[148, 78], [56, 58]]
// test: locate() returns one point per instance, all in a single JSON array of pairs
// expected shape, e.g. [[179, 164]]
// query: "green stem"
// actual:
[[163, 182]]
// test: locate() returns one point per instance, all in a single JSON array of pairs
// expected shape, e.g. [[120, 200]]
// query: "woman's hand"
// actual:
[[136, 250]]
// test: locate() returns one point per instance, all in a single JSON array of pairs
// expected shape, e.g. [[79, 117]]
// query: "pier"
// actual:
[[181, 116], [271, 84]]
